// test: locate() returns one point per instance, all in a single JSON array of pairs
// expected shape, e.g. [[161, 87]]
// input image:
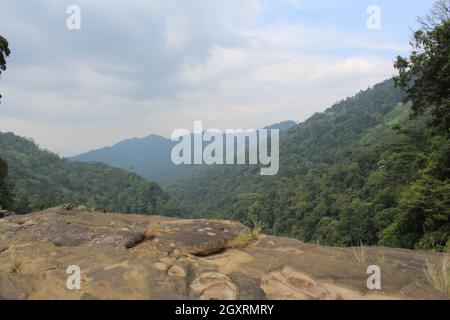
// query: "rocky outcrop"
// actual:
[[143, 257], [5, 213]]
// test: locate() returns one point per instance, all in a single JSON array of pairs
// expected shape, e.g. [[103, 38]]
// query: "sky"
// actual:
[[141, 67]]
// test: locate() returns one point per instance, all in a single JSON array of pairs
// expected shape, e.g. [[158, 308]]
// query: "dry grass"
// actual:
[[382, 260], [360, 253], [244, 239], [437, 270], [16, 264], [153, 231]]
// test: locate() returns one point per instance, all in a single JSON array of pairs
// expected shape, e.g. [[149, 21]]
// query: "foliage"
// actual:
[[346, 177], [42, 180], [5, 194], [438, 270], [5, 189], [425, 75], [4, 52]]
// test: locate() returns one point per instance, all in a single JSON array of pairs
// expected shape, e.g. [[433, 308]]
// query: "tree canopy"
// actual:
[[425, 75], [5, 197], [42, 180], [4, 52]]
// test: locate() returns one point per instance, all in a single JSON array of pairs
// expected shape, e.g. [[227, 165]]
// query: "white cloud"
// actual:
[[145, 67], [220, 62], [177, 32]]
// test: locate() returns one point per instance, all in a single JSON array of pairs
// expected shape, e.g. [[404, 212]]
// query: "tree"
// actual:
[[439, 13], [424, 218], [425, 75], [4, 52], [4, 190]]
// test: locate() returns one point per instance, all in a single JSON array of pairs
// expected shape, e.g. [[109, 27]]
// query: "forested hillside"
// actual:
[[5, 194], [39, 179], [150, 157], [345, 178]]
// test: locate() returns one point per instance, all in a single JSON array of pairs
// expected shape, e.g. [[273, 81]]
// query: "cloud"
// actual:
[[219, 63], [142, 67], [177, 32]]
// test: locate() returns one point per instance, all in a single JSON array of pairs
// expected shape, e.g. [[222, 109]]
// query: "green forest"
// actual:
[[39, 179], [372, 169]]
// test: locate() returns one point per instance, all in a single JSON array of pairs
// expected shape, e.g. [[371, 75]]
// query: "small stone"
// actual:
[[212, 234], [176, 254], [167, 260], [161, 266], [213, 286], [177, 271]]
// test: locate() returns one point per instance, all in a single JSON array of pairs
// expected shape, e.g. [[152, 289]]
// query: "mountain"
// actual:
[[150, 157], [41, 179], [350, 175], [282, 126]]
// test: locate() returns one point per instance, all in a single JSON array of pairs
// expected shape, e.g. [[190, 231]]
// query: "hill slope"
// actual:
[[150, 157], [341, 181], [41, 179]]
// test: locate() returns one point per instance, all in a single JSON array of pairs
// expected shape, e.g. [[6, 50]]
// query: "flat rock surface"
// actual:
[[146, 257]]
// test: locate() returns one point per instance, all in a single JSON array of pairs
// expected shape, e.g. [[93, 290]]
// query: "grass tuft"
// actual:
[[153, 231], [16, 265], [360, 253], [437, 270], [243, 239]]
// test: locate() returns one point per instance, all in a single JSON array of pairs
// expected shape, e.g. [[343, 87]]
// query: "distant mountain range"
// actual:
[[149, 157]]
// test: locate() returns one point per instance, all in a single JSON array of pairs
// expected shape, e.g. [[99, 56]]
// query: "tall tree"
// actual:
[[424, 220], [4, 190], [425, 75], [439, 13], [4, 52]]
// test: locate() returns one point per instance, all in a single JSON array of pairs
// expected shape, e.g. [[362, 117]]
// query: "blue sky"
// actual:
[[141, 67]]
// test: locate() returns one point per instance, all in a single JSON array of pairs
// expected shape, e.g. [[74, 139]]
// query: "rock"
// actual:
[[193, 242], [249, 288], [161, 266], [63, 234], [9, 291], [5, 213], [167, 260], [213, 286], [178, 271], [88, 297], [119, 261], [176, 254], [67, 206], [290, 284]]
